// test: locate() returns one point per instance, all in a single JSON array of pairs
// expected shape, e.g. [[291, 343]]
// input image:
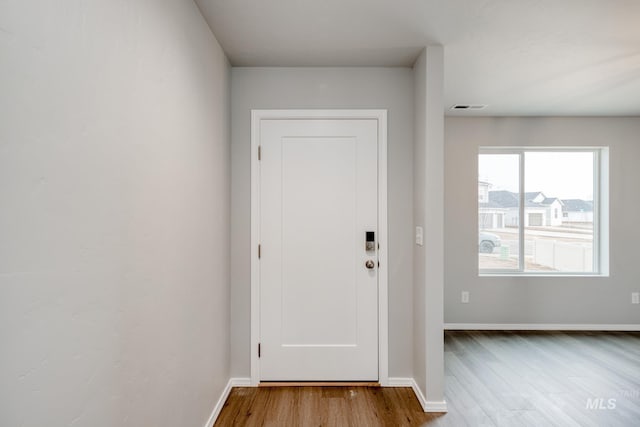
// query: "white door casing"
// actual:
[[312, 254]]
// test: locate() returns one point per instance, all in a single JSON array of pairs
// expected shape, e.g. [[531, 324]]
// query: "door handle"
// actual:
[[370, 264]]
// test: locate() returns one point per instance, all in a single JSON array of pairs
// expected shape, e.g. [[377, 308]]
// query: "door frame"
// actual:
[[383, 306]]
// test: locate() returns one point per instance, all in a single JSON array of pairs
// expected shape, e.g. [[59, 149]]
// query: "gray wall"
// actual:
[[115, 189], [428, 195], [562, 300], [419, 205], [271, 88]]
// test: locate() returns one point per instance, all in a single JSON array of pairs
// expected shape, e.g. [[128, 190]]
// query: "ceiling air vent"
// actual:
[[468, 107]]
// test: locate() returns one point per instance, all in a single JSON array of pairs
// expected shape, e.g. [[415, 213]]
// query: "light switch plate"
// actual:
[[419, 236]]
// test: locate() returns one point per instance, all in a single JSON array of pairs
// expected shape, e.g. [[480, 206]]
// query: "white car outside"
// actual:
[[487, 242]]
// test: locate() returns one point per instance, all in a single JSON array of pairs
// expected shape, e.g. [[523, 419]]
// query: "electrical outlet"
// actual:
[[465, 297], [635, 297]]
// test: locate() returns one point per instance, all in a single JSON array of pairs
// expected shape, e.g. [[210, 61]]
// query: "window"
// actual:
[[541, 211]]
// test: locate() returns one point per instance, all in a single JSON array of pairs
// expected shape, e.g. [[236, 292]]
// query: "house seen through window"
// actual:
[[538, 211]]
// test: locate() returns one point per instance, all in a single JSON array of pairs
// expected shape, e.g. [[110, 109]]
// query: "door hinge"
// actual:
[[259, 251], [259, 350], [259, 152]]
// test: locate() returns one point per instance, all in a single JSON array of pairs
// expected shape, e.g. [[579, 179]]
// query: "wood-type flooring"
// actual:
[[491, 379]]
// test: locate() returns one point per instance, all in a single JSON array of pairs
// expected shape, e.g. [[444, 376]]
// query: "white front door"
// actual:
[[318, 297]]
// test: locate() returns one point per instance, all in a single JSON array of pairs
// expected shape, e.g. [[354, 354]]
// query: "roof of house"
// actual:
[[503, 199], [508, 199], [532, 195], [551, 200], [577, 205]]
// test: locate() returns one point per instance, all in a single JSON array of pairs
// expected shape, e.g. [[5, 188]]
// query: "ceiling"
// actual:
[[520, 57]]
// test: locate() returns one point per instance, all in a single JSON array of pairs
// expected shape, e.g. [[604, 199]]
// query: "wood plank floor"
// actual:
[[491, 379], [322, 406]]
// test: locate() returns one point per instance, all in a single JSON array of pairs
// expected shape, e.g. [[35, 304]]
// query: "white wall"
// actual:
[[543, 300], [428, 212], [114, 181], [291, 88]]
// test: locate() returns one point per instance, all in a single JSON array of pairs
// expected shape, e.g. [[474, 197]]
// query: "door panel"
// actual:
[[318, 187], [315, 277]]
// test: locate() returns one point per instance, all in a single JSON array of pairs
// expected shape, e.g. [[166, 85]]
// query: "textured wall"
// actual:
[[428, 213], [114, 241], [561, 300], [384, 88]]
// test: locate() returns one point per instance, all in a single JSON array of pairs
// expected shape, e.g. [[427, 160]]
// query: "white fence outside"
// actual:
[[561, 256]]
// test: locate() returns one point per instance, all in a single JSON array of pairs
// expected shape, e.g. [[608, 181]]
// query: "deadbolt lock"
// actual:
[[370, 264], [370, 241]]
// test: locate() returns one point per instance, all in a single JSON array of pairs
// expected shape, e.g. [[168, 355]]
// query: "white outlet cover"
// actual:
[[635, 297], [465, 297]]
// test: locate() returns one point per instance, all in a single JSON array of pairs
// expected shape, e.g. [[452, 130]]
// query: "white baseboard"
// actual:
[[219, 404], [419, 395], [233, 382], [538, 327], [240, 382], [427, 406], [439, 406], [399, 382]]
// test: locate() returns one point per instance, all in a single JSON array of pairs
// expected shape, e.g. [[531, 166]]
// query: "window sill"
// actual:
[[554, 274]]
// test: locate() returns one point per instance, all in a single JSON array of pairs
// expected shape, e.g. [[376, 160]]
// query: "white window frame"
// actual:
[[600, 210]]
